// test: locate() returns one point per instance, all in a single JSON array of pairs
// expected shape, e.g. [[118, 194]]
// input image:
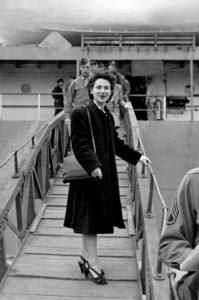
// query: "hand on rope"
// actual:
[[145, 160]]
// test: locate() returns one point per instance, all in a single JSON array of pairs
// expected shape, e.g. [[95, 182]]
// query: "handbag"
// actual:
[[72, 170]]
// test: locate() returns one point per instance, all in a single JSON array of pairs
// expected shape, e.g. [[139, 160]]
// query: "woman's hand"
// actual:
[[97, 173], [145, 160]]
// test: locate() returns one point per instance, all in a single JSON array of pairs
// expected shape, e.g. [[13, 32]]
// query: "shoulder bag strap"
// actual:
[[89, 119], [92, 135]]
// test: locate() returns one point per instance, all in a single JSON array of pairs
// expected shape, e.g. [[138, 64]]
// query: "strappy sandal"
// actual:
[[100, 279], [84, 266]]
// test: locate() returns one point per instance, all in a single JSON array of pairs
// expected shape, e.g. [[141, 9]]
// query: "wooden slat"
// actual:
[[45, 266], [39, 297], [122, 182], [61, 200], [75, 242], [59, 213], [65, 251], [71, 245], [63, 190], [55, 227], [68, 289]]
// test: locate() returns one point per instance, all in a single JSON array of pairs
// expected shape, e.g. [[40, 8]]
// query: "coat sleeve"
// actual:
[[178, 238], [124, 151], [81, 140]]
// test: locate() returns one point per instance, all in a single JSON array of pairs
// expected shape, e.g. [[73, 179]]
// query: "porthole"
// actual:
[[26, 88]]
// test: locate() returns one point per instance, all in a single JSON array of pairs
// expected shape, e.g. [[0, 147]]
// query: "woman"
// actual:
[[94, 204]]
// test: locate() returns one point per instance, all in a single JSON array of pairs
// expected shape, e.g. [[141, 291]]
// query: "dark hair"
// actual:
[[117, 77], [106, 75], [101, 65], [60, 80], [94, 63]]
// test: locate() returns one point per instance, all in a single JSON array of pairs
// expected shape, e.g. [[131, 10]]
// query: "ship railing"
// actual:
[[40, 106], [153, 273], [29, 182], [163, 104]]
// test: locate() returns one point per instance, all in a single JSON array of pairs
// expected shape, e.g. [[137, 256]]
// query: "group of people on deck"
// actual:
[[75, 92]]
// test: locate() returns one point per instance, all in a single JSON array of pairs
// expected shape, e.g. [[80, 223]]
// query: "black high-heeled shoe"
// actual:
[[84, 266], [100, 279]]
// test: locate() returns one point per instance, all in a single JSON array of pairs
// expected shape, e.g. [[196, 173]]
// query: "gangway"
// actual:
[[45, 266]]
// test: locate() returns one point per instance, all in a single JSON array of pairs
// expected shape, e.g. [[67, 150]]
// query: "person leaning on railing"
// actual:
[[181, 234]]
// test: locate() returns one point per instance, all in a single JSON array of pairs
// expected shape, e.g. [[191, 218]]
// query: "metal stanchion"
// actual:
[[148, 212], [16, 174]]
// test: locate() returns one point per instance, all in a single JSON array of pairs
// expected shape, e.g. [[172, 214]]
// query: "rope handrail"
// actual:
[[17, 150], [157, 271], [151, 170]]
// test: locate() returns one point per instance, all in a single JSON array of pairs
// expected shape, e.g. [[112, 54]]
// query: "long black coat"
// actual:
[[94, 205]]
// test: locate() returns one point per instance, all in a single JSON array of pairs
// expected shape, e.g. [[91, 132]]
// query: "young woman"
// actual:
[[94, 205]]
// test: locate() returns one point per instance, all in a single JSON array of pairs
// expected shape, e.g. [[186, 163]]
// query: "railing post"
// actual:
[[39, 107], [157, 271], [1, 110], [160, 108], [139, 146], [31, 205], [3, 266], [148, 212], [33, 142], [16, 174], [164, 107], [143, 171], [143, 268]]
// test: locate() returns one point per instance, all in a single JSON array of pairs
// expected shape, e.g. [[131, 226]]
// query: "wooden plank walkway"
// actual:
[[46, 266]]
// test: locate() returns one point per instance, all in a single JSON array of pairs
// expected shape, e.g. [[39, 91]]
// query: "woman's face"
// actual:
[[101, 91]]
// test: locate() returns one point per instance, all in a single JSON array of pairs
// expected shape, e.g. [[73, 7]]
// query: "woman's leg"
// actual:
[[84, 248], [89, 243]]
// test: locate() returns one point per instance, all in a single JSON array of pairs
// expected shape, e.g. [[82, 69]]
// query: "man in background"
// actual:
[[77, 93], [151, 99], [94, 67], [58, 96]]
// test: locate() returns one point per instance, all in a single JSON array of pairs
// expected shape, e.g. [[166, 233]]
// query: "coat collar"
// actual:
[[93, 108]]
